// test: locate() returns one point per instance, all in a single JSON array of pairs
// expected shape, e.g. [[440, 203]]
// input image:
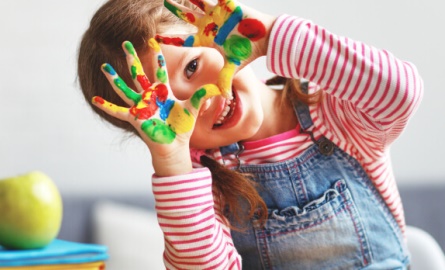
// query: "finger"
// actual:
[[225, 79], [203, 5], [119, 86], [137, 71], [235, 15], [179, 41], [205, 92], [161, 68], [110, 108], [182, 12]]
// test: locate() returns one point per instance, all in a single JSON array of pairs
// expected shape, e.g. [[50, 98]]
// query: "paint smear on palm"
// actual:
[[137, 71]]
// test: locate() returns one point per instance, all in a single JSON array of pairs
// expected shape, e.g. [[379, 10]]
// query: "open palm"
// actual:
[[224, 26], [161, 119]]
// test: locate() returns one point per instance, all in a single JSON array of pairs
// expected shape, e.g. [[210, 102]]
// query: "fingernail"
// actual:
[[97, 99], [109, 69]]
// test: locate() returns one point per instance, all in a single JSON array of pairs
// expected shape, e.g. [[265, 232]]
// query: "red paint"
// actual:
[[224, 5], [199, 3], [99, 100], [253, 29], [190, 17], [142, 113], [143, 81], [170, 41], [211, 27], [160, 92]]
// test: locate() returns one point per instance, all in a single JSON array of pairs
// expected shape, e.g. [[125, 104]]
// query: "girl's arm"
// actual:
[[367, 89], [195, 235]]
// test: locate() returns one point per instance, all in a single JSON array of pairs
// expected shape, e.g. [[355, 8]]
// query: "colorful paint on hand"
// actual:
[[162, 118], [136, 69], [226, 26]]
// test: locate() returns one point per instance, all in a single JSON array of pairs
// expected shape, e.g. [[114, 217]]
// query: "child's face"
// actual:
[[188, 70]]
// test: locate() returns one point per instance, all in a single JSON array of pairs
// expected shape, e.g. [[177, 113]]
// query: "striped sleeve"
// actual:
[[195, 235], [374, 90], [369, 94]]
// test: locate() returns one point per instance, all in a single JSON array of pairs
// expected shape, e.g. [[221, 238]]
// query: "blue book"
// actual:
[[57, 252]]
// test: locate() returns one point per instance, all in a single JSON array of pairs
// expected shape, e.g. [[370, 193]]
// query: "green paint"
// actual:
[[174, 9], [129, 47], [197, 96], [162, 75], [237, 48], [158, 131], [129, 93], [109, 69], [133, 71]]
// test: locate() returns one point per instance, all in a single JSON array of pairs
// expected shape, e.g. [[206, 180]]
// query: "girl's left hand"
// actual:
[[239, 33], [164, 122]]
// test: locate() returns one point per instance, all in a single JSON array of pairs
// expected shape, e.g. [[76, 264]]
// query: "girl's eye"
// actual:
[[191, 68]]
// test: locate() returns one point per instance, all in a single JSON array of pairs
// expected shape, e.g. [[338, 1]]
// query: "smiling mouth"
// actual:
[[228, 111]]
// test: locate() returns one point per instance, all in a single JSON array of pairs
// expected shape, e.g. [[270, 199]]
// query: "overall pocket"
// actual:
[[326, 233]]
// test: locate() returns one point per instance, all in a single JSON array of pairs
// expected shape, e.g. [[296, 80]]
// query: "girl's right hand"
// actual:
[[240, 33], [164, 122]]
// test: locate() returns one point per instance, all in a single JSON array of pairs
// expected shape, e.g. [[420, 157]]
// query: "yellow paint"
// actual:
[[211, 90], [154, 45], [108, 106], [203, 39], [225, 79], [146, 95], [179, 120], [138, 65]]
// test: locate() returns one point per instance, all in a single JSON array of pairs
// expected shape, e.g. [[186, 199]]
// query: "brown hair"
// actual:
[[137, 21]]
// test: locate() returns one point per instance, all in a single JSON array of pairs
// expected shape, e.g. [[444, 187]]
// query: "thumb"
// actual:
[[205, 92]]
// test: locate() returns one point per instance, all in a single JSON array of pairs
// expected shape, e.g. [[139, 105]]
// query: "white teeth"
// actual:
[[225, 112]]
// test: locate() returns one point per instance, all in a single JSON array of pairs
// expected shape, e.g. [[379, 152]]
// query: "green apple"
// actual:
[[30, 211]]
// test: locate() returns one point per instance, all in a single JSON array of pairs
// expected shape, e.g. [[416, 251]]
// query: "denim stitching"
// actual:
[[395, 228], [348, 204]]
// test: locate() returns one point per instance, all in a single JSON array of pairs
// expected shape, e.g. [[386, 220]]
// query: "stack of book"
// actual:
[[59, 254]]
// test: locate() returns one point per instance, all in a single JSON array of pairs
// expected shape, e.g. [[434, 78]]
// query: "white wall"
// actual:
[[45, 124]]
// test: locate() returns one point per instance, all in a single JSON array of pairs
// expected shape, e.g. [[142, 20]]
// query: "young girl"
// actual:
[[245, 174]]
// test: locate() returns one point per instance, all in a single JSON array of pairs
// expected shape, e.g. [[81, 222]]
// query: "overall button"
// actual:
[[326, 147]]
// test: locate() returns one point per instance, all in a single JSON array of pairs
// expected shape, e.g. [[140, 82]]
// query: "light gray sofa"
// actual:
[[424, 208]]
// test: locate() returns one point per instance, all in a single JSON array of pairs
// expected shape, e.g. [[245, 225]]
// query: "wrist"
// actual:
[[176, 163]]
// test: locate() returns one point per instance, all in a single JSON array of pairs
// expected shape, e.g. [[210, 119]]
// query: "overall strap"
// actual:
[[302, 110], [303, 114]]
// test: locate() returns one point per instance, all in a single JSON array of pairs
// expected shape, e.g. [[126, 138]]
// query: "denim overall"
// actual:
[[324, 213]]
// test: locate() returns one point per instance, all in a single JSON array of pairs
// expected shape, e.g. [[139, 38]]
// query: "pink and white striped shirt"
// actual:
[[369, 97]]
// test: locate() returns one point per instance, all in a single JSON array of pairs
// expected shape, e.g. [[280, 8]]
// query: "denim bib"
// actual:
[[323, 213]]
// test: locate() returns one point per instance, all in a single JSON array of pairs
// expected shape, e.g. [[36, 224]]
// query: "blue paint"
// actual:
[[189, 41], [108, 68], [227, 27], [165, 108]]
